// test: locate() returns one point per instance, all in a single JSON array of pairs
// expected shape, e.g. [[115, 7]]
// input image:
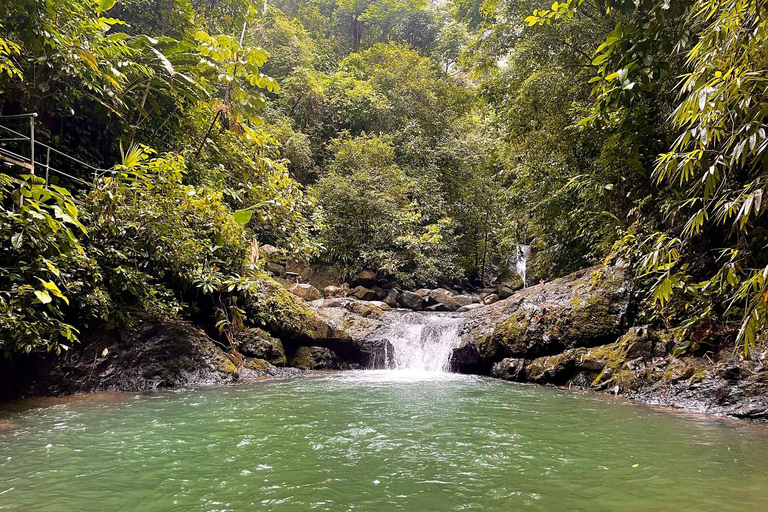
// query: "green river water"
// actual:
[[374, 441]]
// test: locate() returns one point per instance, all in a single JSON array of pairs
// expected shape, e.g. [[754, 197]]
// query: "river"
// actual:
[[388, 440]]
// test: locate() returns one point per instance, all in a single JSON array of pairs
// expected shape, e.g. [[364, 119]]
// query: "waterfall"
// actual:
[[522, 256], [421, 341]]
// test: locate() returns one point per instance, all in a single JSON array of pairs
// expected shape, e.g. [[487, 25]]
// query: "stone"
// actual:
[[258, 343], [306, 291], [422, 292], [468, 307], [465, 300], [509, 369], [587, 308], [331, 292], [364, 278], [366, 309], [314, 358], [445, 298], [392, 298], [484, 292], [150, 355], [504, 291], [363, 293], [490, 299], [274, 268], [269, 253], [410, 300], [390, 285], [380, 304], [380, 292], [437, 307]]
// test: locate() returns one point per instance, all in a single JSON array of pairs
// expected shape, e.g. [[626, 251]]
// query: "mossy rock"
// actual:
[[314, 358], [258, 343]]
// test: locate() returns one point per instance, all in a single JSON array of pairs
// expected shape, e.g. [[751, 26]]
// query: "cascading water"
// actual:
[[521, 262], [421, 341]]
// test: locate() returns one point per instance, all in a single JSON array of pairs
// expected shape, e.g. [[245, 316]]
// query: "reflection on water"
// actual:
[[408, 440]]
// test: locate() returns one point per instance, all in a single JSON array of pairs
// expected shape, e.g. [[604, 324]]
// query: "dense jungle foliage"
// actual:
[[422, 140]]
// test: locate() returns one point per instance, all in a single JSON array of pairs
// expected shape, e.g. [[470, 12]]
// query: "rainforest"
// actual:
[[383, 254]]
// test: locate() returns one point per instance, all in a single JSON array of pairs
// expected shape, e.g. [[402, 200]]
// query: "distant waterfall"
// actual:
[[422, 341], [522, 255]]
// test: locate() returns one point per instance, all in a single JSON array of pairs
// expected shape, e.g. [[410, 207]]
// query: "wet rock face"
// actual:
[[314, 358], [584, 309], [258, 343], [509, 369], [152, 356]]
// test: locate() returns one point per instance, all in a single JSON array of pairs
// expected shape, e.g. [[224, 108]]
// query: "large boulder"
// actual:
[[363, 293], [306, 291], [465, 300], [584, 309], [411, 300], [258, 343], [364, 278], [331, 292], [392, 297], [445, 298], [149, 356], [353, 323], [314, 358]]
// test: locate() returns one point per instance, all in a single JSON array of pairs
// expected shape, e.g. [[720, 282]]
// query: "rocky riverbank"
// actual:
[[577, 332], [574, 332]]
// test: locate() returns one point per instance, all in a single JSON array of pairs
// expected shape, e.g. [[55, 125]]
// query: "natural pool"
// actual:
[[374, 441]]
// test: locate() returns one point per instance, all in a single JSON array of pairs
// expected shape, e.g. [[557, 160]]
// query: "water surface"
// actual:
[[375, 441]]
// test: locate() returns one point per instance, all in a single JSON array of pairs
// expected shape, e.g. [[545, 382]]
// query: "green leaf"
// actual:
[[106, 5], [43, 296], [243, 216]]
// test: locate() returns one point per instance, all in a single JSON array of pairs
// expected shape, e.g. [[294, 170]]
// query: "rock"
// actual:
[[445, 298], [364, 278], [366, 309], [305, 291], [253, 368], [465, 300], [380, 304], [513, 282], [270, 253], [380, 292], [332, 292], [258, 343], [276, 269], [363, 293], [422, 292], [437, 307], [353, 324], [314, 358], [468, 307], [505, 291], [392, 298], [411, 300], [490, 299], [390, 285], [375, 353], [149, 356], [509, 369], [484, 292], [584, 309]]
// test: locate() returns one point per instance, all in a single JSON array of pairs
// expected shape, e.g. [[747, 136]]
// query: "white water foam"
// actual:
[[422, 341]]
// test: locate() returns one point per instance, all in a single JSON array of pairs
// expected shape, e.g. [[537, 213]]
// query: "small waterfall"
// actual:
[[421, 341], [522, 255]]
